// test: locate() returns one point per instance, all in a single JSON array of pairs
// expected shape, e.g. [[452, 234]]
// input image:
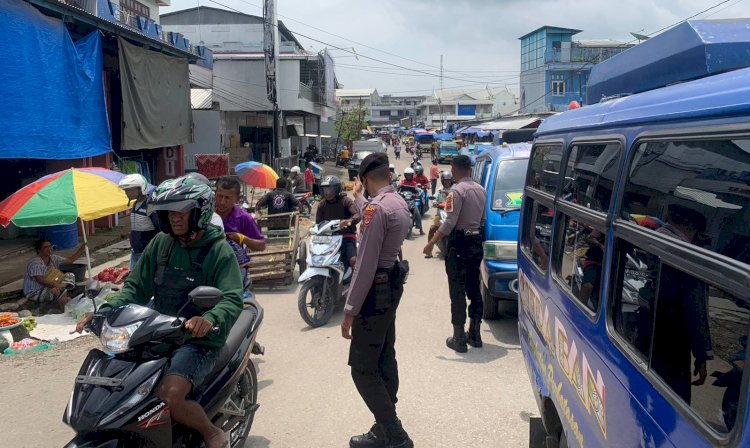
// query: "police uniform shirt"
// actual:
[[385, 223], [464, 206]]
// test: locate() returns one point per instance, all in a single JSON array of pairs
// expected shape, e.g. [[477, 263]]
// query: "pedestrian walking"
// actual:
[[434, 175], [397, 150], [463, 230], [370, 310]]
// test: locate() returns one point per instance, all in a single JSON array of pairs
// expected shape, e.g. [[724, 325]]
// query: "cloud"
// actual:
[[477, 38]]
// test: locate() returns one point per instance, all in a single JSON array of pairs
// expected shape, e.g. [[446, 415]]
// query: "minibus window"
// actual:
[[580, 265], [691, 334], [590, 175], [538, 232], [545, 168], [701, 187], [508, 188]]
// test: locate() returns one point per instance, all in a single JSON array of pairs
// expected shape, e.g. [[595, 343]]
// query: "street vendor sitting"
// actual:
[[40, 287]]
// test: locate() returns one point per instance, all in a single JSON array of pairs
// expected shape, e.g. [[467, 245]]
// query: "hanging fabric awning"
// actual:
[[155, 98], [52, 97]]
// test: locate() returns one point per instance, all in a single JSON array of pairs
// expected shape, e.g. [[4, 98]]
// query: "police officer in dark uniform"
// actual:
[[370, 310], [463, 229]]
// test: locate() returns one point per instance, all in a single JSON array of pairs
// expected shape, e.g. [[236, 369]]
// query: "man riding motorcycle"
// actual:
[[189, 252], [338, 205], [446, 180], [394, 173], [296, 181], [421, 179], [410, 181]]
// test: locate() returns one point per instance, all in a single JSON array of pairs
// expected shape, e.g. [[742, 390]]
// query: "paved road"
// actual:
[[478, 399]]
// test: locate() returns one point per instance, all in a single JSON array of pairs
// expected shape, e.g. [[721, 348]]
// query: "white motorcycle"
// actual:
[[326, 280]]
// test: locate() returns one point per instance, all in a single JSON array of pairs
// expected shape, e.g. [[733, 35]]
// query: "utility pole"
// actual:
[[440, 101]]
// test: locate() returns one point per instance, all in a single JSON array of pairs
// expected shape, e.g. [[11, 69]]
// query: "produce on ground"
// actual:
[[6, 320], [113, 275], [29, 323], [24, 344]]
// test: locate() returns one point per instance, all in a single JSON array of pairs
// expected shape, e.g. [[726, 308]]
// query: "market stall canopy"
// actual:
[[155, 98], [510, 124], [690, 50], [53, 95]]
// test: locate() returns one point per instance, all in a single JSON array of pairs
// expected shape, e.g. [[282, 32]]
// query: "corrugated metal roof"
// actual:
[[201, 98]]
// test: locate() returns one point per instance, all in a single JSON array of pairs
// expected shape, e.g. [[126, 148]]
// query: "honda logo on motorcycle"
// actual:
[[152, 411]]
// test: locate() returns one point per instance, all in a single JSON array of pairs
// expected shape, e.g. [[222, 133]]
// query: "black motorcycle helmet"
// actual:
[[329, 182], [418, 169]]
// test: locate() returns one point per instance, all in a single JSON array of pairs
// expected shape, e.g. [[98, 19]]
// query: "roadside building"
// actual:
[[349, 99], [453, 106], [393, 108], [555, 68], [243, 127]]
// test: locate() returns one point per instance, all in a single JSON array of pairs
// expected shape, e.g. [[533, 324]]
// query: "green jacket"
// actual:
[[220, 270]]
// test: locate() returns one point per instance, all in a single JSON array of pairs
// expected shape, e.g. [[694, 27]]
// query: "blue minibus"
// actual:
[[634, 252], [501, 170]]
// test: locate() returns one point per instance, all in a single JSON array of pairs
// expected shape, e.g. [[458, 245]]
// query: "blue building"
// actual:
[[555, 68]]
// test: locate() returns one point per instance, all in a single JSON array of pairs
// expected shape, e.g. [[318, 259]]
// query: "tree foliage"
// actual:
[[348, 124]]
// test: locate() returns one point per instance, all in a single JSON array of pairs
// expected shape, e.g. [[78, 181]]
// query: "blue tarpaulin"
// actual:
[[445, 136], [52, 103]]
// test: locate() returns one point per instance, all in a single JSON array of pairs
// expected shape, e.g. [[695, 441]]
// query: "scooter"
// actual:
[[326, 280], [440, 206], [307, 200], [114, 402]]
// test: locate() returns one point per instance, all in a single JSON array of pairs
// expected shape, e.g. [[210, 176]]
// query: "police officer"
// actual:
[[370, 310], [463, 229]]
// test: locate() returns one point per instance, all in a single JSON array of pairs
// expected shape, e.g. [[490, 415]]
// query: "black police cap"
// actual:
[[462, 162], [372, 162]]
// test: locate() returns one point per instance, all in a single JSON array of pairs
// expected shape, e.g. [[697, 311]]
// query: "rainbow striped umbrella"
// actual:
[[256, 174], [63, 197]]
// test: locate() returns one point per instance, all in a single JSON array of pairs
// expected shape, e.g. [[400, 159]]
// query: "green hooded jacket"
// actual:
[[220, 270]]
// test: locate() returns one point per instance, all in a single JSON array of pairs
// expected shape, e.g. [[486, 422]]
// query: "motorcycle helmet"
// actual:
[[182, 195], [418, 169], [295, 169], [446, 175], [331, 182], [285, 172], [199, 177], [392, 168], [134, 181], [408, 174]]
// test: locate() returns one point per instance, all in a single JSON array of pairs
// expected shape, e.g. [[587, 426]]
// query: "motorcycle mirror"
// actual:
[[93, 288], [205, 296]]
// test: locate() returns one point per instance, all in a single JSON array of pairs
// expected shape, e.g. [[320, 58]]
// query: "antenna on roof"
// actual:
[[640, 37]]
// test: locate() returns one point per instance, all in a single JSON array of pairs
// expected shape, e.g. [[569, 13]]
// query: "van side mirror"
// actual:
[[205, 296]]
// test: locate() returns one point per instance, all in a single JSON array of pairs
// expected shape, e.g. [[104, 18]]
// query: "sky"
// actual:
[[477, 38]]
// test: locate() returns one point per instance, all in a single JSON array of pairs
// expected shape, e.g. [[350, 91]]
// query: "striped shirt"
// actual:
[[37, 267], [139, 220]]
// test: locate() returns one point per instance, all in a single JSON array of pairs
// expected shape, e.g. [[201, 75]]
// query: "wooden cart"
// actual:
[[284, 250]]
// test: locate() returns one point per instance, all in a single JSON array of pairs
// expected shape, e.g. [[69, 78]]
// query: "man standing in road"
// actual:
[[434, 175], [370, 310], [463, 228], [309, 177], [279, 200]]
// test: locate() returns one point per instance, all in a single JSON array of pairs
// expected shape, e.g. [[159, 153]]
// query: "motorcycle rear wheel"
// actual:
[[317, 310]]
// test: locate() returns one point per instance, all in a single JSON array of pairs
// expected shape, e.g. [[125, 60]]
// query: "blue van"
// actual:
[[634, 254], [501, 170]]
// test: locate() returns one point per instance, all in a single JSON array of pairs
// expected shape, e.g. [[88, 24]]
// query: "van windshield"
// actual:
[[509, 181]]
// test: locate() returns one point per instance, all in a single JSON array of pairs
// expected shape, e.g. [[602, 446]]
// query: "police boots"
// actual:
[[458, 341], [474, 338], [397, 437], [375, 438], [383, 436]]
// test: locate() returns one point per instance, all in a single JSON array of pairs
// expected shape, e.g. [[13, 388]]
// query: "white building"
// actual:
[[305, 84], [453, 105], [348, 99]]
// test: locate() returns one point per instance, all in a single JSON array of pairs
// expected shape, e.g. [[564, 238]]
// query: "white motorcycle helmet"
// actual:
[[408, 171], [134, 181], [295, 170]]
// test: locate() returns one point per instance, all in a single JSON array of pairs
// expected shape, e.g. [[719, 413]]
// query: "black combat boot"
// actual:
[[397, 437], [458, 341], [474, 338], [375, 438]]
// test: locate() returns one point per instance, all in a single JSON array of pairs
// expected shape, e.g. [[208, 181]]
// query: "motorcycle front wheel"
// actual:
[[316, 310], [246, 395]]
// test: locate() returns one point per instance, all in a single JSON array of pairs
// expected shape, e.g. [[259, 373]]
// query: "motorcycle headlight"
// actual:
[[140, 393], [500, 250], [116, 339]]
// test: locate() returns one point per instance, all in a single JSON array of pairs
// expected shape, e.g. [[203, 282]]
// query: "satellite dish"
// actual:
[[640, 37]]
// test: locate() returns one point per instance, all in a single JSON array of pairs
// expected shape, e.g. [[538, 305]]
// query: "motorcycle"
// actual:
[[307, 200], [326, 280], [114, 402], [440, 206], [413, 201], [343, 162]]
